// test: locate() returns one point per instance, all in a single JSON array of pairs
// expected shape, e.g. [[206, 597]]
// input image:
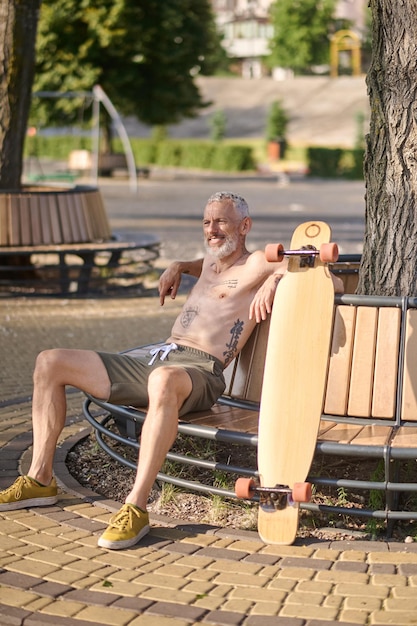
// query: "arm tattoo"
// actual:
[[188, 316], [235, 333]]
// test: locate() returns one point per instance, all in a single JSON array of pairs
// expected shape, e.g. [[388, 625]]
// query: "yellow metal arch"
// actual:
[[345, 40]]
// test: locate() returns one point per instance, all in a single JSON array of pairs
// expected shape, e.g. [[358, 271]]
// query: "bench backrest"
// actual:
[[363, 364]]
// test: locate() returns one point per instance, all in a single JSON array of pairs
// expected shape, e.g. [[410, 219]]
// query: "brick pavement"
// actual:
[[51, 571]]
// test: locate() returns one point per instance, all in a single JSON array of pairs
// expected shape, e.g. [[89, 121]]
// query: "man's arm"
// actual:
[[170, 279], [261, 305]]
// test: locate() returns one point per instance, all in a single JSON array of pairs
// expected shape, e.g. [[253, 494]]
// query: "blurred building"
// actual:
[[247, 30]]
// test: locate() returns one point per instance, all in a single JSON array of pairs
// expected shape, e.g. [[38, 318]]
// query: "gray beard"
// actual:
[[227, 248]]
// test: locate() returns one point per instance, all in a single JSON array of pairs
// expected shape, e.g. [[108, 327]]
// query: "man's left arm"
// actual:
[[261, 305]]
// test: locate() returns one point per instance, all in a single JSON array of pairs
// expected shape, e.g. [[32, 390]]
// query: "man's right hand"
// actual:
[[169, 282], [170, 279]]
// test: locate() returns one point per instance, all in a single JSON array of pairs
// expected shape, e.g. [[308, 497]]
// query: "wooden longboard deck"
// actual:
[[294, 380]]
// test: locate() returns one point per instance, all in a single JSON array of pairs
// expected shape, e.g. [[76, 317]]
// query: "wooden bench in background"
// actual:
[[57, 240], [370, 407]]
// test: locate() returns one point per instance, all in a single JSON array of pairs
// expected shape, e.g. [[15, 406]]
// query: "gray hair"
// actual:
[[238, 202]]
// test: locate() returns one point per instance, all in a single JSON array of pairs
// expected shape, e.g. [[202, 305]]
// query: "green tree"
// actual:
[[145, 54], [18, 20], [301, 33], [277, 122]]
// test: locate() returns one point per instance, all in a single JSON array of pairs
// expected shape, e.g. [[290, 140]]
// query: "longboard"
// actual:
[[294, 381]]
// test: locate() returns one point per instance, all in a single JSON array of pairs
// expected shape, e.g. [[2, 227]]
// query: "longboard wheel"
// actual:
[[245, 488], [274, 252], [329, 253], [301, 492]]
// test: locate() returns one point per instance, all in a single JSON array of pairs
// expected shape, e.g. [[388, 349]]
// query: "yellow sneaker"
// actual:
[[125, 528], [25, 493]]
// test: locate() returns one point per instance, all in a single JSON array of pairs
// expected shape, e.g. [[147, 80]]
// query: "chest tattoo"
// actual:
[[235, 333], [232, 283], [188, 316]]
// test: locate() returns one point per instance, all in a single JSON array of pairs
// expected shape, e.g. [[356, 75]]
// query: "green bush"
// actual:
[[168, 153], [196, 154], [232, 158], [324, 162], [335, 162], [144, 151]]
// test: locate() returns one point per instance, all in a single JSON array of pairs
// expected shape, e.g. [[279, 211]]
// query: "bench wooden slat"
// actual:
[[54, 219], [409, 400], [14, 220], [324, 427], [405, 437], [25, 221], [4, 220], [340, 361], [45, 222], [361, 379], [226, 418], [373, 435], [35, 218], [76, 230], [386, 363], [341, 433]]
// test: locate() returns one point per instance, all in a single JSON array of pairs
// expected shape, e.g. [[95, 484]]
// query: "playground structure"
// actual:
[[85, 160], [345, 41]]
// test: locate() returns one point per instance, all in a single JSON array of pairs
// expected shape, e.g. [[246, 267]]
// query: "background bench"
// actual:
[[58, 241], [370, 407]]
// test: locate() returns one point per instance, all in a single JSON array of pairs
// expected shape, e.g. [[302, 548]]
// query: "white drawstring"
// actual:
[[165, 349]]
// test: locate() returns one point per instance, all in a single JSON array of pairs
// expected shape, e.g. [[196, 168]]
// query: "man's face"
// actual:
[[221, 229]]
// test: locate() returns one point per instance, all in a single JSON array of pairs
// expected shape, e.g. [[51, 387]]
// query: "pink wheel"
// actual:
[[301, 492], [274, 252], [329, 253], [245, 488]]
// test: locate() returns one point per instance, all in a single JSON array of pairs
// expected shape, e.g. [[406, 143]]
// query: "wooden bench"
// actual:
[[58, 241], [370, 407], [76, 268]]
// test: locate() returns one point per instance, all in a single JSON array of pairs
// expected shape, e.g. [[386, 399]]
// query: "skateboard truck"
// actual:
[[278, 497], [328, 253]]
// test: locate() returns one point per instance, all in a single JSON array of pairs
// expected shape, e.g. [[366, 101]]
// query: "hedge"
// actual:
[[335, 162], [168, 153]]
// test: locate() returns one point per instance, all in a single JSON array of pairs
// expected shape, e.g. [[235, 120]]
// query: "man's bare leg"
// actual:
[[54, 370], [167, 389]]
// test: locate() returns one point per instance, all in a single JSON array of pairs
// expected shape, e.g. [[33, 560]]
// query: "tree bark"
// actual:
[[389, 261], [18, 24]]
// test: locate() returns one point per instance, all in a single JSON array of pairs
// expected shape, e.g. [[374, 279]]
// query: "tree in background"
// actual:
[[301, 33], [389, 261], [145, 54], [18, 20]]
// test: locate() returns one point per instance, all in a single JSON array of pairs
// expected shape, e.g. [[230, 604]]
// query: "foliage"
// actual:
[[168, 153], [277, 122], [145, 54], [218, 125], [335, 162], [301, 33]]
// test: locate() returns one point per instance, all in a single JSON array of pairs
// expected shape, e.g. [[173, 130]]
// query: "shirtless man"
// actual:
[[234, 291]]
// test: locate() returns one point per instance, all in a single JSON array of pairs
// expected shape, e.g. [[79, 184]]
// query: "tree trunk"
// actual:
[[389, 261], [18, 23]]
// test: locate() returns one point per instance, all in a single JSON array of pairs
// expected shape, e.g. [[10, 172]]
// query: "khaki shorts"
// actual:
[[129, 377]]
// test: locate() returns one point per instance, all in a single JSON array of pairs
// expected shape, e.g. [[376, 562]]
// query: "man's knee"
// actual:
[[48, 361], [169, 381]]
